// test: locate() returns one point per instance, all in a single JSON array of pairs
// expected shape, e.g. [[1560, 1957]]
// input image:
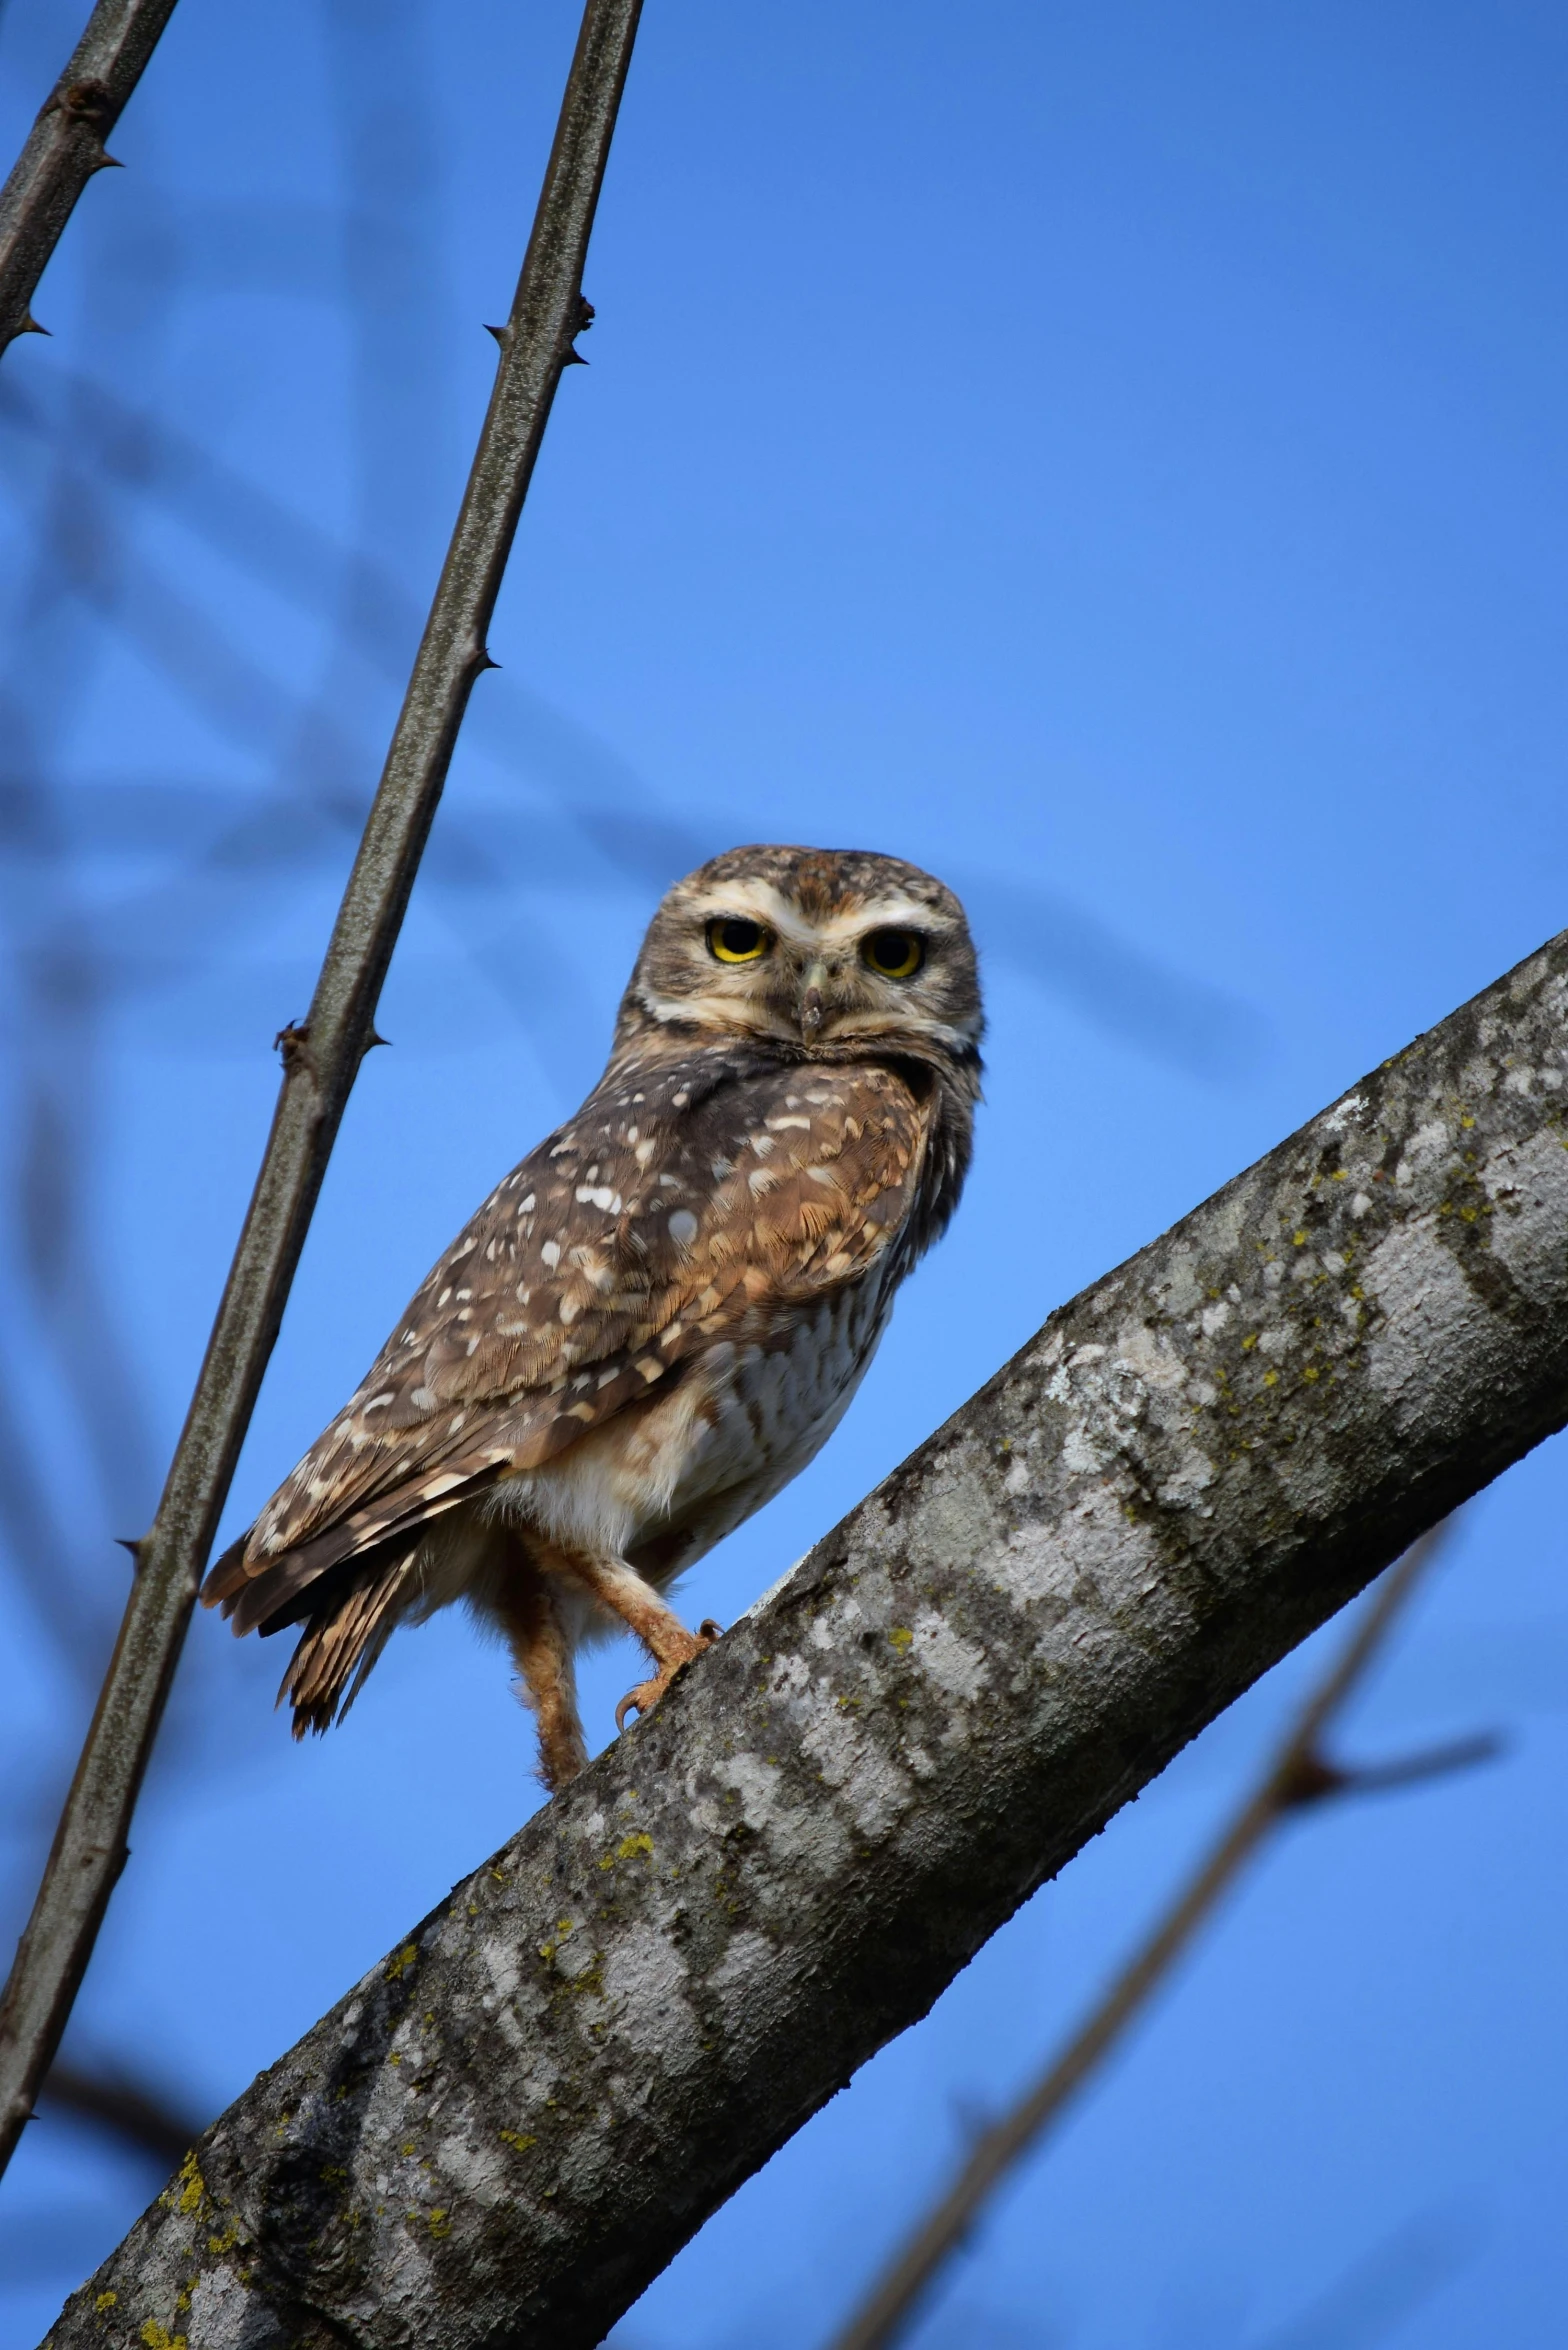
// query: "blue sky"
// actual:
[[1113, 456]]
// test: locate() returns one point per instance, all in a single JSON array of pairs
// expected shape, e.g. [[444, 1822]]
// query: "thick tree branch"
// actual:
[[321, 1061], [513, 2123], [65, 147]]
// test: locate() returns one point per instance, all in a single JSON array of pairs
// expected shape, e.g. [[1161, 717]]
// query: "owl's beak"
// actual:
[[811, 1000]]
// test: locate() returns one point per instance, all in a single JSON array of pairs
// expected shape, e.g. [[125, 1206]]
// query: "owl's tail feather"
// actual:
[[341, 1643]]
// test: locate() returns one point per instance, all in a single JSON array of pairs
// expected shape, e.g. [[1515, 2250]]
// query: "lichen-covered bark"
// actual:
[[511, 2125]]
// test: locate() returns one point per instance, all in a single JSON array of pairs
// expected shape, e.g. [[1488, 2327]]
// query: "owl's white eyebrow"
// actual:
[[758, 901], [755, 901], [894, 912]]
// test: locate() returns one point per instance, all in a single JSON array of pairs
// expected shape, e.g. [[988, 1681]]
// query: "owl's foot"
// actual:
[[647, 1694]]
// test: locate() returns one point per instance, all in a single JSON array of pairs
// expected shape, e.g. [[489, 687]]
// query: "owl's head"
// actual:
[[827, 950]]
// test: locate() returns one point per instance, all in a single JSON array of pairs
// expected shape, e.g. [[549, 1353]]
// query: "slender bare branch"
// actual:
[[65, 147], [536, 344], [1297, 1774], [508, 2127]]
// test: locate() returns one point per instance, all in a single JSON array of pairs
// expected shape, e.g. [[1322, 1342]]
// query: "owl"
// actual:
[[661, 1315]]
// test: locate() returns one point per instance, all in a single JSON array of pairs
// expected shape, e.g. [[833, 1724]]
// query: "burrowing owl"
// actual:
[[657, 1319]]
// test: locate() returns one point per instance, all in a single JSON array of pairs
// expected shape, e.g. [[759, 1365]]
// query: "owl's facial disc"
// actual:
[[886, 963]]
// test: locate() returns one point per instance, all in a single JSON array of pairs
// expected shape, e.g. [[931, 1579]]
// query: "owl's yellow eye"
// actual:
[[731, 939], [894, 954]]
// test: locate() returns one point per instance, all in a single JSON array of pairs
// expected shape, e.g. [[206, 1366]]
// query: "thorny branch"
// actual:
[[65, 147], [1297, 1775], [536, 344], [69, 967], [514, 2122]]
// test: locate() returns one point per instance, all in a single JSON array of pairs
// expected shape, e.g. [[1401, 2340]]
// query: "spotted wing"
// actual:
[[679, 1207]]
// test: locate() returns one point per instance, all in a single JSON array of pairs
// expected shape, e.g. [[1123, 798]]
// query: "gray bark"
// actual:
[[512, 2124]]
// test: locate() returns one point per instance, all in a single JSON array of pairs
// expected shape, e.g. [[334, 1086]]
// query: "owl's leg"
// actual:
[[542, 1653], [623, 1591]]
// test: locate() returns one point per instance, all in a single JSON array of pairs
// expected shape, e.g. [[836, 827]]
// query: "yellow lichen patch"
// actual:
[[438, 2223], [408, 2146], [400, 1962], [901, 1637], [628, 1849], [518, 2140], [1310, 1371], [218, 2245], [106, 2301], [1271, 1378], [1249, 1342], [188, 2189], [158, 2337], [1300, 1239]]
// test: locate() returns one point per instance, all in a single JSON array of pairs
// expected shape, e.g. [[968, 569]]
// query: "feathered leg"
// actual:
[[542, 1652], [623, 1591]]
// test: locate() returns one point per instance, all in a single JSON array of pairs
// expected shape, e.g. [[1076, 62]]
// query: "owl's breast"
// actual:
[[752, 1415]]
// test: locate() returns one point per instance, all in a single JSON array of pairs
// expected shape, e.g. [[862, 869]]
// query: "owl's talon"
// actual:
[[647, 1694], [641, 1700]]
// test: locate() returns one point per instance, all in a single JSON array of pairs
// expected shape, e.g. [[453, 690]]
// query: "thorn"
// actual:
[[574, 359], [134, 1545], [30, 326], [486, 660], [371, 1042], [500, 333], [107, 162]]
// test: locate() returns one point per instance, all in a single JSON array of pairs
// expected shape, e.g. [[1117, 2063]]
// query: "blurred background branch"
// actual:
[[136, 2114], [90, 1844], [1297, 1777]]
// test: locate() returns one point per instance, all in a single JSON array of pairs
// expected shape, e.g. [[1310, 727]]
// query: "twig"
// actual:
[[1296, 1776], [132, 2112], [536, 343], [65, 147]]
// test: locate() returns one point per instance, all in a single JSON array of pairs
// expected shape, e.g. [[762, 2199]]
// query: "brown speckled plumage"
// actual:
[[660, 1315]]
